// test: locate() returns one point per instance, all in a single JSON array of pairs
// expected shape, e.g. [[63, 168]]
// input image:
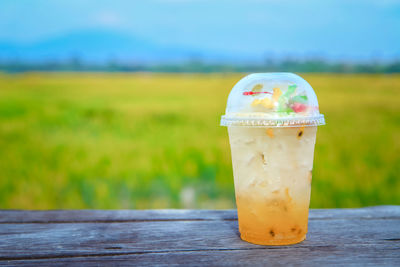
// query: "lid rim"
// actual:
[[317, 120]]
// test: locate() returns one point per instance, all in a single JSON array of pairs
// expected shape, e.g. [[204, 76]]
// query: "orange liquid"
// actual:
[[277, 221]]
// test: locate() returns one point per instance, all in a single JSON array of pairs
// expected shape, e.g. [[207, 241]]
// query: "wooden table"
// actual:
[[366, 236]]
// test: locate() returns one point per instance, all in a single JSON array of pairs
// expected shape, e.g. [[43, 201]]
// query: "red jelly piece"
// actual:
[[298, 107]]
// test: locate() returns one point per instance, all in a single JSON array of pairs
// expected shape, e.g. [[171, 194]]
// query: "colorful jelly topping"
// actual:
[[288, 102]]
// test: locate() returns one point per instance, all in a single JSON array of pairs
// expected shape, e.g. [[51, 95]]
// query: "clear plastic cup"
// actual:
[[272, 121]]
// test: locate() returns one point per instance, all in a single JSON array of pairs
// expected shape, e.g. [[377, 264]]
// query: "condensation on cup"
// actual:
[[272, 121]]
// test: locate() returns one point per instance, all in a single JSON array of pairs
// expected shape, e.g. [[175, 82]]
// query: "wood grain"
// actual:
[[71, 216], [366, 236]]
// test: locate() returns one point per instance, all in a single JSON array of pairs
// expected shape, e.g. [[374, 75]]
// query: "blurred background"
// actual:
[[116, 104]]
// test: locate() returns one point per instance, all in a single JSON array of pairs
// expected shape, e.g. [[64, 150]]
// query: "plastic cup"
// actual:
[[272, 121]]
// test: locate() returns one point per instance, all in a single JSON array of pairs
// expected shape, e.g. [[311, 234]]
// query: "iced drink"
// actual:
[[272, 122], [272, 173]]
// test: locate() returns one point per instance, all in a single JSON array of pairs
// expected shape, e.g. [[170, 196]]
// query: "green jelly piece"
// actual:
[[282, 106], [284, 100], [299, 99], [291, 89], [286, 110], [282, 103]]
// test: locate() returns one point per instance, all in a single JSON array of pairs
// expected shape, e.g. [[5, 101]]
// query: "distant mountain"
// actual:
[[96, 46]]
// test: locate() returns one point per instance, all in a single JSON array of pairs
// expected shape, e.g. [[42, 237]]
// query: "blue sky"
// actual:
[[334, 29]]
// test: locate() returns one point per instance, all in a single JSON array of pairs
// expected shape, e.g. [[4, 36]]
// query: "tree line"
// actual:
[[203, 67]]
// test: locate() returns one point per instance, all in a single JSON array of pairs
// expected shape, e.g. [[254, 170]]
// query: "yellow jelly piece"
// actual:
[[270, 132], [255, 102], [277, 93], [267, 103], [257, 88]]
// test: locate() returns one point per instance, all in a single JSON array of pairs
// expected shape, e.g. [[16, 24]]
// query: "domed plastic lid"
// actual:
[[274, 100]]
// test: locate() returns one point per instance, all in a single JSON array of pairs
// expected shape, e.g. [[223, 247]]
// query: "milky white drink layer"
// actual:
[[272, 170]]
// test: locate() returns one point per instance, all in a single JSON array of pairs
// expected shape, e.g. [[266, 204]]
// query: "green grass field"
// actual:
[[154, 141]]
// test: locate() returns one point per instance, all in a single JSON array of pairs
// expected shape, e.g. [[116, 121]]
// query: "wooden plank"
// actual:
[[352, 236], [71, 216], [255, 257]]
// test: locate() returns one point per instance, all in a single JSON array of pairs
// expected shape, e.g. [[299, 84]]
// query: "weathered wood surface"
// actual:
[[366, 236]]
